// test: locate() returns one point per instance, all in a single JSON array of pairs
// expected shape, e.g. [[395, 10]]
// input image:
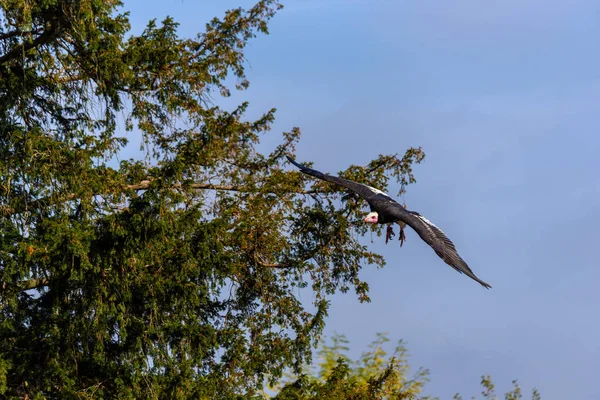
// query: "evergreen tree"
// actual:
[[175, 275]]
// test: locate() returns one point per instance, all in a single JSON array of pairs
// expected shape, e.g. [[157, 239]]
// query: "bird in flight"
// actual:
[[385, 210]]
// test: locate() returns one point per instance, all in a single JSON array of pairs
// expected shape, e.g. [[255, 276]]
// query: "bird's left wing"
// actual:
[[434, 237], [366, 192]]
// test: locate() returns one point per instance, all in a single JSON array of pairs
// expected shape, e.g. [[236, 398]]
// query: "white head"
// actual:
[[371, 218]]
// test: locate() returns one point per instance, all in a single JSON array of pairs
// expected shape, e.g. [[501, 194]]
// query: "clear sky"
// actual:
[[504, 98]]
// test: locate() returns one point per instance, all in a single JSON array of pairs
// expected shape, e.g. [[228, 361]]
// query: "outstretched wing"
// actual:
[[366, 192], [439, 242]]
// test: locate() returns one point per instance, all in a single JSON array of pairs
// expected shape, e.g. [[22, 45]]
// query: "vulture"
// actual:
[[385, 210]]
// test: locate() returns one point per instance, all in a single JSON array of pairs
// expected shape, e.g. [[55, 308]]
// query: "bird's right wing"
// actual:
[[364, 191]]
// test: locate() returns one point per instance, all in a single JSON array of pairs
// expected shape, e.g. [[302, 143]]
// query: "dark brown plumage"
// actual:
[[386, 210]]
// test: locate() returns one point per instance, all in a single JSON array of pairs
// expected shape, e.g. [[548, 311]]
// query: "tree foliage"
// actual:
[[489, 392], [374, 376], [175, 275]]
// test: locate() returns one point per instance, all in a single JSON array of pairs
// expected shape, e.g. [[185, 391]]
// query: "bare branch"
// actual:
[[144, 185]]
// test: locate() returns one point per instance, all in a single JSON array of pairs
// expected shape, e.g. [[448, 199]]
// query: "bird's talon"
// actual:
[[402, 237], [389, 233]]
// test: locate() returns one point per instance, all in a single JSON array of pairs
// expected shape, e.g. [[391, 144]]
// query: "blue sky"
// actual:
[[505, 100]]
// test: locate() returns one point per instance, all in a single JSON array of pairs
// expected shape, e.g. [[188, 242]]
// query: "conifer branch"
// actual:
[[145, 185], [32, 284], [42, 39]]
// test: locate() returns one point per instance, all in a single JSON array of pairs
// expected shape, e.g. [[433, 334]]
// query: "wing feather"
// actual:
[[440, 243], [366, 192]]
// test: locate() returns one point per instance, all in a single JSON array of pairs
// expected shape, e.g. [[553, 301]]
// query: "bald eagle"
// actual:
[[385, 210]]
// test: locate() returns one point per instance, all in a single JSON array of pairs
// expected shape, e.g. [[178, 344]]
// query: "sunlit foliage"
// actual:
[[375, 375]]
